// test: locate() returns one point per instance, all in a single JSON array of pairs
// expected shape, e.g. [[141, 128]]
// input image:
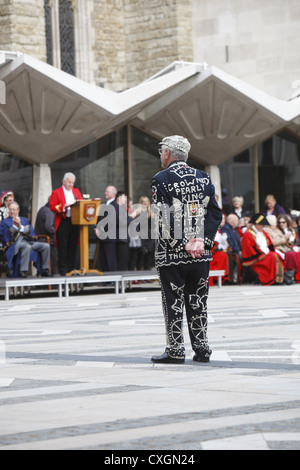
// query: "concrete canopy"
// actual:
[[49, 114], [220, 115]]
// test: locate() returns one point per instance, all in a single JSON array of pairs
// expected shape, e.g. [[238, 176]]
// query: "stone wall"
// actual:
[[131, 39], [157, 33], [5, 25], [120, 43], [137, 38], [255, 40], [109, 48], [23, 27]]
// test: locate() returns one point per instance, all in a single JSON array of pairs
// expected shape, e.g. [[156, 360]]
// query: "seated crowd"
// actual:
[[261, 248], [19, 243]]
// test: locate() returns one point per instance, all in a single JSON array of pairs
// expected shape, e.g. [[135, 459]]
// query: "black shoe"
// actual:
[[197, 358], [46, 273], [22, 275], [289, 277], [165, 358], [203, 356]]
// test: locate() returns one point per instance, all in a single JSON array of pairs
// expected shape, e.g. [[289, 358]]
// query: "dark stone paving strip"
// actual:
[[75, 394], [95, 428], [192, 440]]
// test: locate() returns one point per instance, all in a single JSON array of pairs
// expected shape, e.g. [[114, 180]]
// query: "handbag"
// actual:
[[135, 242], [3, 260]]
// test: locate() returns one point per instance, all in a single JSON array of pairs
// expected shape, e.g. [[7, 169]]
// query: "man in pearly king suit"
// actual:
[[188, 218]]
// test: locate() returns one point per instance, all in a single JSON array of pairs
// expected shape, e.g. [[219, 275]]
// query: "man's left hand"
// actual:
[[17, 222], [195, 247]]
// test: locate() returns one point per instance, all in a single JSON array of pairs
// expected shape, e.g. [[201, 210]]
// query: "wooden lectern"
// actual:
[[84, 213]]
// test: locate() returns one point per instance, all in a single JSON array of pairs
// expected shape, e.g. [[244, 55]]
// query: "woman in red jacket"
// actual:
[[258, 253], [66, 234]]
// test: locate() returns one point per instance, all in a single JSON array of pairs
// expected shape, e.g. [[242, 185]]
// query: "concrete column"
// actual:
[[214, 172], [55, 33], [129, 156], [42, 188], [256, 178], [84, 39]]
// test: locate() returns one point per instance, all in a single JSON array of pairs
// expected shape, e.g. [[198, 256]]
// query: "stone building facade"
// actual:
[[22, 27], [255, 40], [118, 44]]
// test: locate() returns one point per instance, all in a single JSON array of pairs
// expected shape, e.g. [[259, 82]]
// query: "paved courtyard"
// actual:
[[75, 373]]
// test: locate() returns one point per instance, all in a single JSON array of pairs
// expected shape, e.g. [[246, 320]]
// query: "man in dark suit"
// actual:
[[107, 231], [233, 237], [188, 219], [17, 232], [234, 252], [45, 225]]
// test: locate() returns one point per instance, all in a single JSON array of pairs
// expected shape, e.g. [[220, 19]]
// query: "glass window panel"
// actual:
[[279, 173], [145, 163], [16, 175], [283, 178], [237, 180], [96, 166]]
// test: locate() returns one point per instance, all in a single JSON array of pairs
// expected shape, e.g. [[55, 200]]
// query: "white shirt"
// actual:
[[70, 199], [109, 201], [292, 238], [221, 239], [238, 212], [261, 241]]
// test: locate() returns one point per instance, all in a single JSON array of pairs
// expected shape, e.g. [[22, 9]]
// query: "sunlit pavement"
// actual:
[[75, 373]]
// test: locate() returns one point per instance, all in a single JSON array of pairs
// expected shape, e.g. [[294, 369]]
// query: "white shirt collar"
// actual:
[[110, 200]]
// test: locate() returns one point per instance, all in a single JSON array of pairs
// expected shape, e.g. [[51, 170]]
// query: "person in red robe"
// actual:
[[219, 262], [66, 234], [219, 255], [284, 241], [224, 258], [258, 253]]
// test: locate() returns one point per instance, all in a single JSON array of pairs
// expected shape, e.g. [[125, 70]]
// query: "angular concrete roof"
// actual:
[[49, 114], [221, 115]]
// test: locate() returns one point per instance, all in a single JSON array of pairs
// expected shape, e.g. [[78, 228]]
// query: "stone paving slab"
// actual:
[[75, 373]]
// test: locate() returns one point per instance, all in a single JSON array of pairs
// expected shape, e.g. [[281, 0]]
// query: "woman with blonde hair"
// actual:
[[146, 254], [292, 265], [237, 203], [271, 206], [283, 247]]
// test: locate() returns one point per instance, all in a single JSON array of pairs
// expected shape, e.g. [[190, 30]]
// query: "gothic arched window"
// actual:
[[60, 34], [67, 36]]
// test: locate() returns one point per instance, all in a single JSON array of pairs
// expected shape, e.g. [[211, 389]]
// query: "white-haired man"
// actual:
[[66, 234], [188, 220], [19, 236], [108, 242]]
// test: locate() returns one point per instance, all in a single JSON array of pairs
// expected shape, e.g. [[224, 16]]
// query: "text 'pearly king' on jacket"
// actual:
[[185, 207]]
